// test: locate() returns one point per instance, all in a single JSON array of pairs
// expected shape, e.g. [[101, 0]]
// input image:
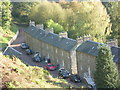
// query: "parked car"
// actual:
[[24, 46], [46, 60], [63, 73], [89, 80], [29, 51], [75, 78], [37, 57], [50, 67]]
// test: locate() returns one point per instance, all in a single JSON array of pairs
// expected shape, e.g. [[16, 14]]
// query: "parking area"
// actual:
[[28, 59]]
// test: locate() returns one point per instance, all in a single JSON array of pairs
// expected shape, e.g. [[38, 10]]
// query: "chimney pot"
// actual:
[[79, 40], [49, 30], [63, 34], [31, 23], [87, 37], [40, 26]]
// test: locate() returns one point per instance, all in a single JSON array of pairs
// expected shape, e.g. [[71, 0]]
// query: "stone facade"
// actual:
[[85, 63], [86, 54], [58, 48], [76, 56]]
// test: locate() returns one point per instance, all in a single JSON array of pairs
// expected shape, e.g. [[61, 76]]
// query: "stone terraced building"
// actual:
[[86, 54], [59, 48], [76, 56]]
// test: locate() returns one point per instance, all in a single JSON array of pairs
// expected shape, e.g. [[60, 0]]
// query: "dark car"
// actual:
[[50, 67], [63, 73], [29, 51], [37, 57], [75, 78], [24, 46], [46, 60]]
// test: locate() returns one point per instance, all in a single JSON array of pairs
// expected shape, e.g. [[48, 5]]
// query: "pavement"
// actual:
[[28, 59]]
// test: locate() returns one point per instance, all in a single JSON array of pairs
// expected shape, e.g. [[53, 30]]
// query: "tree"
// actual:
[[112, 10], [21, 11], [87, 18], [77, 18], [6, 15], [106, 73], [46, 11], [118, 36], [56, 27], [0, 13]]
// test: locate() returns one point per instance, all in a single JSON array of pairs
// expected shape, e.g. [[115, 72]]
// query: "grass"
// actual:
[[16, 74], [6, 35]]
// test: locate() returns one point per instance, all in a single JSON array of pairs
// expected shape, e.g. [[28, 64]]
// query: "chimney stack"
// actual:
[[40, 26], [87, 37], [31, 23], [63, 34], [79, 40], [49, 30], [112, 42]]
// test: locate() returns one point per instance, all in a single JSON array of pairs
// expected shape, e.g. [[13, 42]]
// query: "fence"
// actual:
[[13, 39]]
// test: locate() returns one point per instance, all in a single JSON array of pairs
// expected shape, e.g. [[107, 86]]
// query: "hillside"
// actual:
[[16, 74], [6, 35]]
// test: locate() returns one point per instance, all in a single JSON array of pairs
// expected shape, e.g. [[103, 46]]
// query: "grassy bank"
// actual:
[[15, 74], [6, 35]]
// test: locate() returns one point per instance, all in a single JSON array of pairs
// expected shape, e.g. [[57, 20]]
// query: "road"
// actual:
[[28, 58]]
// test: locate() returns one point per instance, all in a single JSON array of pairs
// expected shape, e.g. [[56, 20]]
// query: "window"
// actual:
[[63, 63], [89, 70], [68, 66], [62, 53], [48, 55], [81, 67], [56, 50], [47, 46]]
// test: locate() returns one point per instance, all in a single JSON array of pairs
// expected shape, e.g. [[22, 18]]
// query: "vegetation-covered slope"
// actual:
[[16, 74]]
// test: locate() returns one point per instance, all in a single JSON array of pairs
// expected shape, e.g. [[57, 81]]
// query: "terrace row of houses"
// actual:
[[76, 56]]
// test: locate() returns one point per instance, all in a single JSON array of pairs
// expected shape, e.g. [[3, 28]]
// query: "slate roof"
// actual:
[[11, 51], [51, 38], [90, 47], [116, 53]]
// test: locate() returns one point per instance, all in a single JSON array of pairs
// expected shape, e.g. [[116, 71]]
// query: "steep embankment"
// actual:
[[6, 35], [16, 74]]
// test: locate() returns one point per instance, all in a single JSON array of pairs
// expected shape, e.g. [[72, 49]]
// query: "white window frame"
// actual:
[[48, 55], [62, 53], [56, 50], [63, 63], [81, 68], [47, 46]]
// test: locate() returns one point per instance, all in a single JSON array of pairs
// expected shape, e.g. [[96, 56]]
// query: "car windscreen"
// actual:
[[51, 65]]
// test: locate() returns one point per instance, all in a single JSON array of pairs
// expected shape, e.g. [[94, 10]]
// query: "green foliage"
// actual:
[[106, 74], [77, 18], [112, 9], [6, 15], [6, 35], [56, 27], [18, 75], [91, 18], [43, 12], [21, 10], [0, 13], [10, 85], [46, 72]]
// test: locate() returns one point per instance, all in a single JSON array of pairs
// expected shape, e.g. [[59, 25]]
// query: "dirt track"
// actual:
[[28, 58]]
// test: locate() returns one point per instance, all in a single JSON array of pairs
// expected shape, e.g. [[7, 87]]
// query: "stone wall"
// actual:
[[57, 55], [84, 63]]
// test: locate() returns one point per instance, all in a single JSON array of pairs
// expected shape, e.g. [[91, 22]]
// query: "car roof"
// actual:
[[49, 64]]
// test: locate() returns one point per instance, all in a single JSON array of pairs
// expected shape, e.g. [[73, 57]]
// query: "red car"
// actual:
[[50, 67]]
